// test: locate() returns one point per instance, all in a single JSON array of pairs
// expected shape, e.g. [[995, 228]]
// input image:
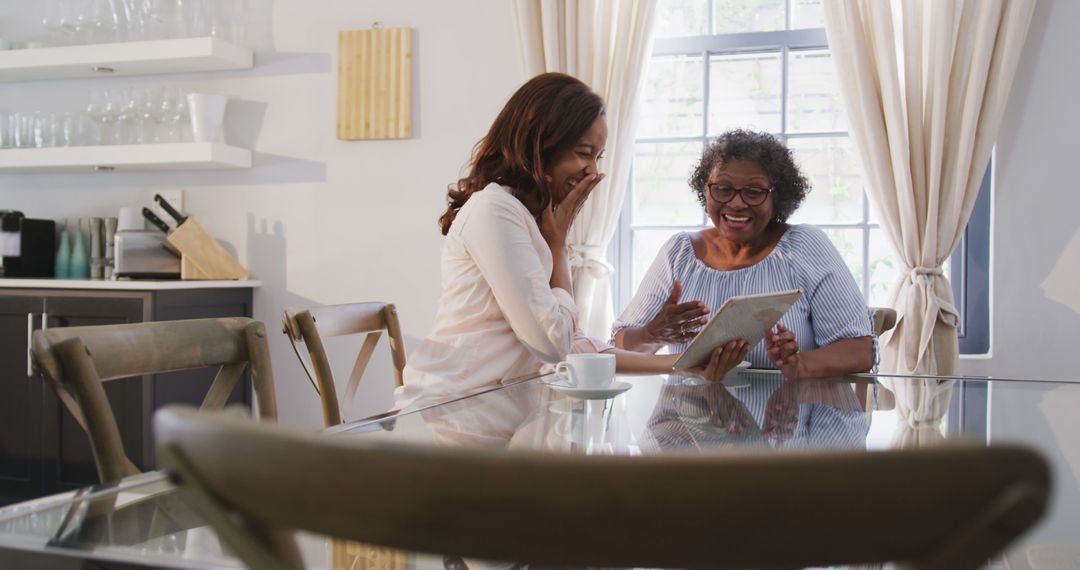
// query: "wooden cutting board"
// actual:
[[375, 84]]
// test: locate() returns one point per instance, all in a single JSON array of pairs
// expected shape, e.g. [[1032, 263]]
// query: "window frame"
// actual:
[[969, 263]]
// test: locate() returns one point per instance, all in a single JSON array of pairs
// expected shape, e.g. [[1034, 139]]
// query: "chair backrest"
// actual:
[[947, 507], [76, 360], [884, 319], [310, 325]]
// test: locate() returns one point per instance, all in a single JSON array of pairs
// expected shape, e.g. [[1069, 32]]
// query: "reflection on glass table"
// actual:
[[143, 521]]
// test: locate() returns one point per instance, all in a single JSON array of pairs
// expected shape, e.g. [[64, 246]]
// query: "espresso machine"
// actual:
[[27, 246]]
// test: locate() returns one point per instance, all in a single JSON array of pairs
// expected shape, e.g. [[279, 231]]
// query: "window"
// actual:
[[763, 65]]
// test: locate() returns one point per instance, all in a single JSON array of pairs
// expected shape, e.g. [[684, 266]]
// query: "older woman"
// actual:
[[749, 185]]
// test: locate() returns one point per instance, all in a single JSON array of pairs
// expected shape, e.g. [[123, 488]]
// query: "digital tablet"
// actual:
[[747, 317]]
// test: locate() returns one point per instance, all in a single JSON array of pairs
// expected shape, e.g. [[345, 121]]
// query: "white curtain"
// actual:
[[925, 84], [606, 44]]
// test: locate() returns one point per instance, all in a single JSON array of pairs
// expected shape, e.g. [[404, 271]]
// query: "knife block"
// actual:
[[201, 256]]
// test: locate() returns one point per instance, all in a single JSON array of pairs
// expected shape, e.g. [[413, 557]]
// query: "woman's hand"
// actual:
[[783, 349], [781, 414], [726, 357], [676, 322], [556, 220]]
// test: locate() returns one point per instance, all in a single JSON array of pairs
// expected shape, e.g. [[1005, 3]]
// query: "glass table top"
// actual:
[[144, 520]]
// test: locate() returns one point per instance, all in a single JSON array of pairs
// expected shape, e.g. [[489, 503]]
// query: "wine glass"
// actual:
[[182, 117], [59, 21], [169, 128], [124, 116], [136, 19], [103, 104]]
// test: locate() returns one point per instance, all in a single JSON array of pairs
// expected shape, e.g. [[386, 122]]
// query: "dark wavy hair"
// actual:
[[545, 117], [791, 187]]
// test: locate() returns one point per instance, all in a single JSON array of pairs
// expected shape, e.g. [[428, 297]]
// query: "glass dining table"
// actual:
[[145, 522]]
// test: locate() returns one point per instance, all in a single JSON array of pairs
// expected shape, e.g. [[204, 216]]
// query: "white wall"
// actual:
[[1036, 205], [1036, 272], [318, 220]]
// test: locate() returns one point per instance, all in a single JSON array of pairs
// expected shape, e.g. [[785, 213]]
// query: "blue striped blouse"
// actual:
[[831, 308]]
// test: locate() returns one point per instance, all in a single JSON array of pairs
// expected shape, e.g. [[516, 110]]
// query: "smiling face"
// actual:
[[736, 220], [574, 164]]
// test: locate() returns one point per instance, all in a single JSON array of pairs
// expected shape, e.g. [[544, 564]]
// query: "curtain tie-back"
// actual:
[[592, 259], [925, 423], [917, 271]]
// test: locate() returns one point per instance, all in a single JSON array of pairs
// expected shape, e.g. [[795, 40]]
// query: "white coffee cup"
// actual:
[[207, 115], [587, 370]]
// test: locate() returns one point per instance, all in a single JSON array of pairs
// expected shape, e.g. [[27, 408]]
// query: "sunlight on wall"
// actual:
[[1060, 285]]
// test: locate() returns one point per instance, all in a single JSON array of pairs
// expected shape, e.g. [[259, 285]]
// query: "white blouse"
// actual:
[[498, 319]]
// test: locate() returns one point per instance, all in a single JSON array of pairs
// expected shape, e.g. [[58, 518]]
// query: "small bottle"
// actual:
[[80, 260], [63, 257]]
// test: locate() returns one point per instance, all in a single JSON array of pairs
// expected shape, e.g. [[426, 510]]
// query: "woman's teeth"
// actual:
[[736, 219]]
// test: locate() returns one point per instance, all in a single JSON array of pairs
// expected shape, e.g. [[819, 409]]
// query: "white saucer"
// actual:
[[615, 389]]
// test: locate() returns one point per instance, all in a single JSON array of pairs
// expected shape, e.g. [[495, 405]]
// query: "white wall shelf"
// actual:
[[108, 158], [128, 58]]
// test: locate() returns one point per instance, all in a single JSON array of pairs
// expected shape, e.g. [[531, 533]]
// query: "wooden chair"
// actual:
[[884, 319], [312, 324], [949, 507], [75, 361]]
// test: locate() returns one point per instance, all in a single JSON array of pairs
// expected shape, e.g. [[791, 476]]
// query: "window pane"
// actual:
[[744, 91], [884, 268], [680, 18], [807, 14], [734, 16], [814, 103], [850, 245], [646, 245], [673, 103], [836, 196], [661, 193]]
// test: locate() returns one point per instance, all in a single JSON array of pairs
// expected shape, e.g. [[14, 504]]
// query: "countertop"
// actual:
[[124, 284]]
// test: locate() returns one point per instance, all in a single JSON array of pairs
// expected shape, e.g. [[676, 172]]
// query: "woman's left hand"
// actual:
[[783, 349], [726, 357]]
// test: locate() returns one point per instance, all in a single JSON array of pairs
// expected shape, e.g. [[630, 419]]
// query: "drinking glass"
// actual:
[[58, 20], [104, 111], [5, 132], [167, 19], [22, 130], [182, 117], [124, 118], [144, 108], [137, 19], [104, 20], [167, 113], [44, 130]]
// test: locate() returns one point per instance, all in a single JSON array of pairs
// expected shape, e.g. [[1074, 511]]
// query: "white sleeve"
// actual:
[[497, 237]]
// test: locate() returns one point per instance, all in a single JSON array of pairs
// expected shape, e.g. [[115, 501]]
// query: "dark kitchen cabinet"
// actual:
[[42, 450]]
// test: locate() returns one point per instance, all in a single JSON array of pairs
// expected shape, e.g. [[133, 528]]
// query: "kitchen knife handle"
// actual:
[[165, 205], [152, 217]]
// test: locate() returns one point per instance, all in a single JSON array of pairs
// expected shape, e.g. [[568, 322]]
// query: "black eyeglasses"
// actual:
[[751, 195]]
